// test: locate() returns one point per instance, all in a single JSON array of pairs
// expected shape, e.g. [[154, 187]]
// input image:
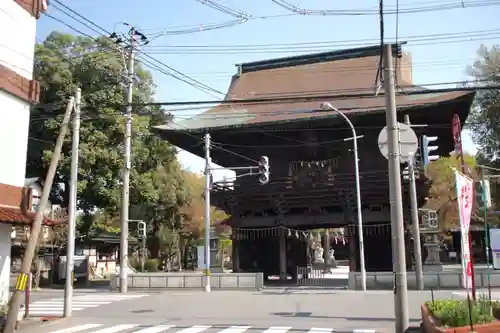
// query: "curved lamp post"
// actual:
[[329, 107]]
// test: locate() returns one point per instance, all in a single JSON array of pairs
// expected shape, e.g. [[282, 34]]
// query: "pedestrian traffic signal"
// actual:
[[264, 170], [425, 149], [141, 229], [482, 194]]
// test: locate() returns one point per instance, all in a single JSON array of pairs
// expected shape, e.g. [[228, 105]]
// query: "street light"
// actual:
[[329, 107]]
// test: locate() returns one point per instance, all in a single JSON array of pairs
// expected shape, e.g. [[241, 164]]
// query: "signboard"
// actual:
[[495, 246], [465, 192]]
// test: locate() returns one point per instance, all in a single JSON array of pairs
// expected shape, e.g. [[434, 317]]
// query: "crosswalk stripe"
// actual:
[[320, 330], [76, 329], [116, 329], [194, 329], [73, 302], [235, 329], [277, 329], [155, 329], [141, 328]]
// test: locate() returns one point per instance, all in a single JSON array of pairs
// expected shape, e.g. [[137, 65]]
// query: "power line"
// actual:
[[147, 62], [364, 12], [310, 98], [275, 98], [224, 9], [327, 43]]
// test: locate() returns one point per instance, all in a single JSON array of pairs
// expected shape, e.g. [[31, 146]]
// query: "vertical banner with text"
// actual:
[[465, 197]]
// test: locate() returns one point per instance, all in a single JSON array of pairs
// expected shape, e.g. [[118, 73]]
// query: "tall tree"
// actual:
[[484, 120], [64, 62]]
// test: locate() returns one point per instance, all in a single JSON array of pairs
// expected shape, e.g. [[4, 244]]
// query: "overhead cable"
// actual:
[[409, 10]]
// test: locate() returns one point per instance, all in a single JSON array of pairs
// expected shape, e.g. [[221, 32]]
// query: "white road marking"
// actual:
[[320, 330], [155, 329], [78, 328], [277, 329], [235, 329], [115, 329], [55, 306], [194, 329], [139, 328]]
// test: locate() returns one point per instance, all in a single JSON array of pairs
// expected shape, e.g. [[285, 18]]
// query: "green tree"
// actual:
[[442, 195], [484, 120], [64, 62]]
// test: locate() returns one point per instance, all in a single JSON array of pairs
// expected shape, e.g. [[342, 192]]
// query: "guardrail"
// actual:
[[160, 280], [432, 280]]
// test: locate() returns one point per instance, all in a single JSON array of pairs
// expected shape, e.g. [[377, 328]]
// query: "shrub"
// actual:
[[455, 313], [151, 265]]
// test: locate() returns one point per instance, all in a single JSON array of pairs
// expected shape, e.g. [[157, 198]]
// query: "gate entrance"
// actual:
[[313, 275]]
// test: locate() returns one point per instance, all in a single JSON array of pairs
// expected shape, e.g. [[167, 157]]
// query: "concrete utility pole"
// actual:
[[417, 250], [73, 185], [16, 298], [396, 198], [126, 169], [208, 177]]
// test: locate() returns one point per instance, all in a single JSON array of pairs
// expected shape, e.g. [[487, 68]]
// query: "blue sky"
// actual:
[[442, 60]]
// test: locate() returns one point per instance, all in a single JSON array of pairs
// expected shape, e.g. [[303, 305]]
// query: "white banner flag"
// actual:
[[465, 195]]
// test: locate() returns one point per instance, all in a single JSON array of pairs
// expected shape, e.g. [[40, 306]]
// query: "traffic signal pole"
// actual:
[[417, 250], [263, 170]]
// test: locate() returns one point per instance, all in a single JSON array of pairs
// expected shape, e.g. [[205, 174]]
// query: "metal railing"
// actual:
[[307, 276]]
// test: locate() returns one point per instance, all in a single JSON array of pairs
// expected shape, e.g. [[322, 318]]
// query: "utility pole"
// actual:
[[16, 298], [73, 185], [417, 250], [396, 198], [126, 168], [208, 178]]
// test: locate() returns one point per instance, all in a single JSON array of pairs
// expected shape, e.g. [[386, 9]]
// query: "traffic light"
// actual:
[[425, 149], [264, 170], [141, 229], [482, 194]]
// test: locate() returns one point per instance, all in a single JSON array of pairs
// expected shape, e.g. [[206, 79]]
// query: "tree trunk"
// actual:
[[154, 244], [179, 251]]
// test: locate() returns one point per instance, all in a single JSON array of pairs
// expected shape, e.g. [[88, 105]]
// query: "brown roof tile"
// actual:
[[335, 73], [16, 216], [15, 205], [12, 196]]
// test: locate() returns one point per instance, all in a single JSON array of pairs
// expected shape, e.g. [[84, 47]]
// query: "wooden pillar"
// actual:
[[326, 252], [282, 256], [236, 254]]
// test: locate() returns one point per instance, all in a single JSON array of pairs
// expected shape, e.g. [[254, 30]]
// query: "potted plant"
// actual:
[[459, 316]]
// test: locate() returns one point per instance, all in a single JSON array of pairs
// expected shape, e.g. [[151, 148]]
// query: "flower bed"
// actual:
[[452, 316]]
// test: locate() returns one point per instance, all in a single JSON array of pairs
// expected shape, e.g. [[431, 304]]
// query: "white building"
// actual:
[[17, 91]]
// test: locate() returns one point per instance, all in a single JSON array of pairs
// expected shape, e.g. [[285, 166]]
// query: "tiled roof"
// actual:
[[16, 216], [336, 73]]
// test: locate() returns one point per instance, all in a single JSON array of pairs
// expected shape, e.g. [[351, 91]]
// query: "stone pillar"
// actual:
[[282, 249]]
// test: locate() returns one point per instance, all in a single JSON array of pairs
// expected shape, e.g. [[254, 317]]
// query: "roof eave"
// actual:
[[314, 116]]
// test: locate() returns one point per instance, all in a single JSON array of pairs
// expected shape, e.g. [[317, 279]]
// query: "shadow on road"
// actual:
[[310, 315]]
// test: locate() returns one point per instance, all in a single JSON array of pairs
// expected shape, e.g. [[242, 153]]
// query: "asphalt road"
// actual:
[[237, 312]]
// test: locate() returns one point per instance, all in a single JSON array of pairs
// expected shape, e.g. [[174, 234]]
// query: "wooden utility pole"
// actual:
[[15, 300]]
